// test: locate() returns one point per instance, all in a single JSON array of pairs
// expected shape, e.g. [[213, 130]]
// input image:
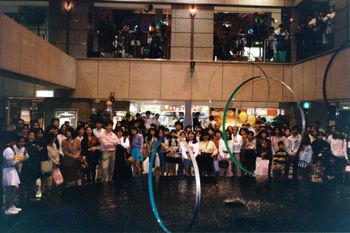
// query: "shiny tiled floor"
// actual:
[[124, 207]]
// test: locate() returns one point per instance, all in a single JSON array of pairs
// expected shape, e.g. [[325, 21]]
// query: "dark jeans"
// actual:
[[206, 164], [294, 162], [340, 164], [91, 173]]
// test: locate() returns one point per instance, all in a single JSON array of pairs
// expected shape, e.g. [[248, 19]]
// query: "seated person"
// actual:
[[317, 172]]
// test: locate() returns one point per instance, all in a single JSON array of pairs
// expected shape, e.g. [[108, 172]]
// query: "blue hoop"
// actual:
[[151, 195]]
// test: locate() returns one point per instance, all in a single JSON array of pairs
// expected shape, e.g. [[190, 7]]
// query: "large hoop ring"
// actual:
[[325, 75], [239, 165], [151, 195]]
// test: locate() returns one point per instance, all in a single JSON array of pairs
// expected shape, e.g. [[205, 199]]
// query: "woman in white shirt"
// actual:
[[61, 137], [123, 160], [225, 162], [10, 177], [192, 145], [19, 149], [207, 150], [53, 155]]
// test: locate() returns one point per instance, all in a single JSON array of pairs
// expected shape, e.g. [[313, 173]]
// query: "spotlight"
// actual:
[[148, 7], [193, 11], [68, 6]]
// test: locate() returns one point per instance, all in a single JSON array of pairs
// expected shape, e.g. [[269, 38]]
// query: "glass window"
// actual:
[[315, 28], [134, 33], [251, 37]]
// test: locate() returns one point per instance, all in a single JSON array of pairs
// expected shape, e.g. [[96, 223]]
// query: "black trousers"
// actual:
[[205, 163]]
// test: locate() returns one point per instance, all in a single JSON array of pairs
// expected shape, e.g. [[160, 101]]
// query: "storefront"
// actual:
[[233, 119]]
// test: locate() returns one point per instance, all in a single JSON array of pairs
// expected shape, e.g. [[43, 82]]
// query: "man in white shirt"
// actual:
[[236, 149], [292, 147], [109, 141], [98, 130], [156, 120], [148, 120]]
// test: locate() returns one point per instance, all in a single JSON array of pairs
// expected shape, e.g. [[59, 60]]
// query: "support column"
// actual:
[[188, 113], [192, 37], [69, 30]]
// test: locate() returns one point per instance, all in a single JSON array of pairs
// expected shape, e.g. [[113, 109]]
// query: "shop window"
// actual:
[[251, 37], [314, 28], [134, 33]]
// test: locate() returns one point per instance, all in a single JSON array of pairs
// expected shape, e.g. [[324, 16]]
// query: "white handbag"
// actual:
[[347, 168]]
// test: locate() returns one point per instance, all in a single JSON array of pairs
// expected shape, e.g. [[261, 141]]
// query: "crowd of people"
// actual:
[[316, 34], [134, 40], [36, 161]]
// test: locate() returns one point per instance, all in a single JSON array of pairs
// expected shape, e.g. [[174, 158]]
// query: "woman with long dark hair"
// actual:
[[194, 146], [123, 159], [225, 162], [71, 148], [249, 156], [207, 150], [173, 155], [42, 153], [263, 147], [136, 150], [90, 149]]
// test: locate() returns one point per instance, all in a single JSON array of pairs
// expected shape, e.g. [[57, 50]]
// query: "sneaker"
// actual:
[[16, 209], [11, 212]]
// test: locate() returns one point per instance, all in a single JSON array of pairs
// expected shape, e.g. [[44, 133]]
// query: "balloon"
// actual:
[[243, 117], [251, 120]]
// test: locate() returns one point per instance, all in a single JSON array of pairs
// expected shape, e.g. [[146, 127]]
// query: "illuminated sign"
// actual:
[[44, 93], [306, 105]]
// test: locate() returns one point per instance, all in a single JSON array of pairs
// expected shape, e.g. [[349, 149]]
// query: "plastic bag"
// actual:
[[261, 167], [57, 176]]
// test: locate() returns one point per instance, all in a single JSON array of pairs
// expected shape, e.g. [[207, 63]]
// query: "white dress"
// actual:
[[9, 173]]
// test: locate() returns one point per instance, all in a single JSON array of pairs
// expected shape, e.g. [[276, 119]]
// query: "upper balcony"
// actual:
[[207, 31]]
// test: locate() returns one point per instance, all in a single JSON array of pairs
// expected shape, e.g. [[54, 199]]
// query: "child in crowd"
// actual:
[[279, 161], [317, 172]]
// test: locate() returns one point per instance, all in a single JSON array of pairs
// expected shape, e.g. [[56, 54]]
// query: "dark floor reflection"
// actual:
[[256, 205]]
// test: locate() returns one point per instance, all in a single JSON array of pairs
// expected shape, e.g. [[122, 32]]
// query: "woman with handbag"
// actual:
[[123, 160], [53, 155], [249, 156], [44, 161], [225, 162], [31, 169], [90, 149], [71, 148], [207, 150], [194, 146], [136, 151], [263, 148]]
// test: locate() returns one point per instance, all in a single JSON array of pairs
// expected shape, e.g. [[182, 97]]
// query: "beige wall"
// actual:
[[25, 54], [171, 80], [308, 77]]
